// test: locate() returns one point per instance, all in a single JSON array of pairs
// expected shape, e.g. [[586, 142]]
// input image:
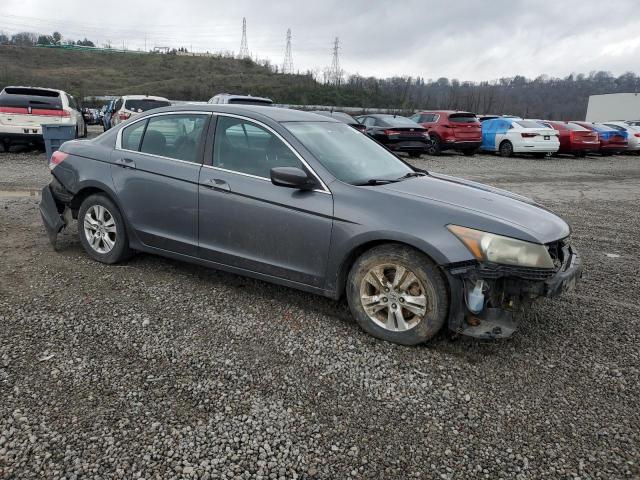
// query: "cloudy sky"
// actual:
[[463, 39]]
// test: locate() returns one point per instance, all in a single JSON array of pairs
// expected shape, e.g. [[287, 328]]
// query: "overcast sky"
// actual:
[[463, 39]]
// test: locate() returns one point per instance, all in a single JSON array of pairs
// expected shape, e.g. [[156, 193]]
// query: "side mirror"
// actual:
[[292, 177]]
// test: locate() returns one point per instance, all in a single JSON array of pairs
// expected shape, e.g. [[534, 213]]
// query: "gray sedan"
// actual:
[[308, 202]]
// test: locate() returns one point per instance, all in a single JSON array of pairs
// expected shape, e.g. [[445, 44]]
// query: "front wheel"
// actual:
[[397, 294], [102, 230], [506, 149]]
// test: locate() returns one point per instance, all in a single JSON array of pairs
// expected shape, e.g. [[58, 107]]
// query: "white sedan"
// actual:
[[513, 135]]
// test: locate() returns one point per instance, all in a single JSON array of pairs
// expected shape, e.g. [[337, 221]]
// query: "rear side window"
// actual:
[[30, 97], [463, 118], [145, 104], [132, 135], [428, 118], [245, 147], [173, 136]]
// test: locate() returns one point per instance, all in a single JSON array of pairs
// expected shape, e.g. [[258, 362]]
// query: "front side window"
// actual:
[[244, 147], [174, 136], [350, 156]]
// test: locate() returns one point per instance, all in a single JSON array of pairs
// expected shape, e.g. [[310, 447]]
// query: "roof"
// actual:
[[143, 97], [448, 112], [274, 113]]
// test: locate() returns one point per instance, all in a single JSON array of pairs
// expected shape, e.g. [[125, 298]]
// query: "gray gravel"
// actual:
[[157, 369]]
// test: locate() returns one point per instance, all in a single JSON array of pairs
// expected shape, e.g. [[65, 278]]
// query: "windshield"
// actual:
[[348, 154], [529, 124], [463, 118], [250, 101], [145, 104], [395, 121]]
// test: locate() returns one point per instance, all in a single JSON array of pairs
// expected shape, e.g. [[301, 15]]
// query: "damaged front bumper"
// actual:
[[508, 290]]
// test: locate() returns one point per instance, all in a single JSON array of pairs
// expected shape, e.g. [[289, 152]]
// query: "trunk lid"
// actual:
[[30, 107], [465, 126]]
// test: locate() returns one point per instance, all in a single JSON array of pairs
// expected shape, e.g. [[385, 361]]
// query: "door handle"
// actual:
[[126, 163], [217, 184]]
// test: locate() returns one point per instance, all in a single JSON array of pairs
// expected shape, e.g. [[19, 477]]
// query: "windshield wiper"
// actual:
[[410, 175], [376, 181]]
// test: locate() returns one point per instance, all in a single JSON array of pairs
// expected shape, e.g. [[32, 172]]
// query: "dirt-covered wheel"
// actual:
[[398, 294]]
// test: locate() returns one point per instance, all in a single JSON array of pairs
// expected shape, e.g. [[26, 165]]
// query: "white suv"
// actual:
[[131, 105], [23, 110]]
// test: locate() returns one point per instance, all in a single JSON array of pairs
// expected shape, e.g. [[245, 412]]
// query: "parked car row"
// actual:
[[128, 106]]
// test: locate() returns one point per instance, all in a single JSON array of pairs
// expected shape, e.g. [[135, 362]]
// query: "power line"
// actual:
[[287, 65], [244, 47]]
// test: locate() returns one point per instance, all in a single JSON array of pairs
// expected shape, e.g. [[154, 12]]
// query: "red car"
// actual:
[[574, 139], [451, 130], [611, 140]]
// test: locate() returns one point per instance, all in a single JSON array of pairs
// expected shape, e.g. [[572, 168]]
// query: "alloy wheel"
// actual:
[[100, 229], [394, 297]]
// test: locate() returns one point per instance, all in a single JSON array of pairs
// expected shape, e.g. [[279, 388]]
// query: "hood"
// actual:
[[521, 213]]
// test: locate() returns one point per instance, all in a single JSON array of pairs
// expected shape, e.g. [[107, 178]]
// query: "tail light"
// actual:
[[14, 110], [391, 132], [636, 135], [50, 113], [57, 158], [528, 135], [124, 116]]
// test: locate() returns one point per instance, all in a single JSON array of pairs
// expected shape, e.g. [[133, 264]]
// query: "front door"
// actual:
[[155, 171], [247, 222]]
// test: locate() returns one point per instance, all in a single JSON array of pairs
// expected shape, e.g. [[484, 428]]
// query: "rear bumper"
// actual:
[[33, 135], [537, 148], [453, 144], [51, 213], [407, 146]]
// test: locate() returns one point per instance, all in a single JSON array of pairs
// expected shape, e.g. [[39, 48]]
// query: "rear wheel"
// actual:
[[397, 294], [434, 147], [506, 149], [102, 231]]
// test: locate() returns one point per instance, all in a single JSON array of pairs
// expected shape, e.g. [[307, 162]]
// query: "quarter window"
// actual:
[[245, 147], [132, 135], [174, 136]]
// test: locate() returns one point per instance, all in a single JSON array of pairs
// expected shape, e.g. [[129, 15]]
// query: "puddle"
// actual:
[[19, 193]]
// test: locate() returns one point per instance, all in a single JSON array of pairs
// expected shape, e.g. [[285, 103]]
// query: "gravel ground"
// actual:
[[157, 369]]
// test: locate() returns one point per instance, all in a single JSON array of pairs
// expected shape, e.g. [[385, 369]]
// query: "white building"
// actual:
[[613, 106]]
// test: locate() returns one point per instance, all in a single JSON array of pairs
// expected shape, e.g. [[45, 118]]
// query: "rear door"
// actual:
[[249, 223], [155, 169]]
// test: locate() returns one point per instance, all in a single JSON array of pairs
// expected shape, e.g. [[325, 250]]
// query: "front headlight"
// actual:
[[498, 249]]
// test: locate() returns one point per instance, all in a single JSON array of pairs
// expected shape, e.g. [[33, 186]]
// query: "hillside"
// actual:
[[86, 73]]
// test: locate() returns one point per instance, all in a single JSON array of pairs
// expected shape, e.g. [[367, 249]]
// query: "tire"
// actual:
[[380, 316], [114, 232], [506, 149], [469, 152], [415, 154], [434, 147]]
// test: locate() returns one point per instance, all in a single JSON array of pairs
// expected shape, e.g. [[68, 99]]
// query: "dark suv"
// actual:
[[451, 130]]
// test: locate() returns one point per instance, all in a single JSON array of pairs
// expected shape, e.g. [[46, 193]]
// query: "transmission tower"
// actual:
[[244, 47], [335, 75], [287, 65]]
